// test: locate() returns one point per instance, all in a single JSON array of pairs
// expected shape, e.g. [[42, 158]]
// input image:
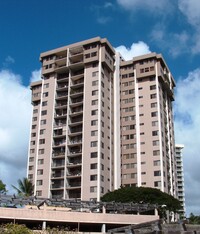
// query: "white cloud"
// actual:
[[136, 49], [15, 106], [187, 130], [191, 9], [103, 12], [8, 60], [182, 39], [158, 7], [36, 75]]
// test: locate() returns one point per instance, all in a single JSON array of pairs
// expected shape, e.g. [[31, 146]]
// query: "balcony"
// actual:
[[58, 165], [61, 95], [58, 155], [73, 186], [59, 144], [61, 105], [59, 113], [75, 141], [62, 78], [74, 151], [77, 83], [75, 130], [62, 86], [57, 186], [74, 165], [73, 176], [76, 92], [58, 175], [76, 120], [76, 101]]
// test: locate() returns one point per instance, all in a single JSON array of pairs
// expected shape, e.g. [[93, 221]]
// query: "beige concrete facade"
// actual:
[[100, 122], [180, 177]]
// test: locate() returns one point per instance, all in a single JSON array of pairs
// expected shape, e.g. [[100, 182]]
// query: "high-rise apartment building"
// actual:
[[180, 177], [100, 122]]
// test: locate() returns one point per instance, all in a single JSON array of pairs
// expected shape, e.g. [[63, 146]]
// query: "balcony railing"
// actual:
[[57, 175], [76, 91], [59, 154], [73, 185], [55, 165]]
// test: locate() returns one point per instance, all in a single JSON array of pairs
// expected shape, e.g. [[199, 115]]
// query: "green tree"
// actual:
[[11, 228], [25, 187], [2, 188], [194, 219], [144, 195]]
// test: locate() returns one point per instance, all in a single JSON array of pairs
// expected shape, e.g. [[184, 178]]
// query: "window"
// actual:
[[94, 102], [93, 189], [93, 155], [44, 112], [42, 131], [43, 122], [42, 141], [40, 172], [154, 123], [155, 143], [94, 92], [44, 103], [155, 133], [93, 144], [93, 166], [157, 184], [30, 168], [156, 152], [157, 173], [40, 161], [94, 133], [152, 78], [93, 177], [45, 94], [39, 193], [156, 163], [95, 83], [46, 85], [41, 151], [93, 54], [33, 126], [34, 119], [94, 112], [94, 122], [154, 104], [31, 159], [35, 111], [130, 165], [154, 114], [131, 91], [33, 134], [32, 142], [152, 87], [39, 182], [32, 151], [152, 96], [95, 73], [30, 176]]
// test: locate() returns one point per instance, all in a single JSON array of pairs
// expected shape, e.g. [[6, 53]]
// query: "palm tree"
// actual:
[[25, 187]]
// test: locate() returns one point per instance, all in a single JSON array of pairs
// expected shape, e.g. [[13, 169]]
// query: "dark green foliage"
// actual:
[[25, 187], [2, 188], [193, 219], [143, 195], [11, 228]]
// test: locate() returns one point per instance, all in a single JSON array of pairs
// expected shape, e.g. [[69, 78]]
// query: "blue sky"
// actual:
[[29, 27]]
